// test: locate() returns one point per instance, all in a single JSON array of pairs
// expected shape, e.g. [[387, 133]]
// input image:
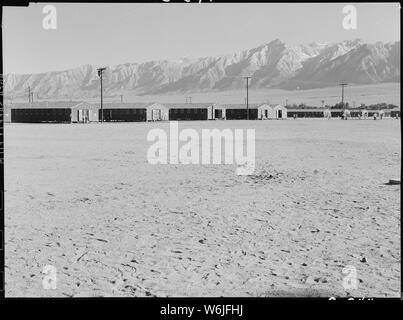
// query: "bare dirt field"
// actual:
[[84, 199], [354, 95]]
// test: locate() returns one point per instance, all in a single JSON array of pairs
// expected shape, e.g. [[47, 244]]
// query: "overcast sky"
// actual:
[[109, 34]]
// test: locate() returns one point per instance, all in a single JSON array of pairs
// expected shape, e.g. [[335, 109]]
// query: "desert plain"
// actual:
[[84, 199]]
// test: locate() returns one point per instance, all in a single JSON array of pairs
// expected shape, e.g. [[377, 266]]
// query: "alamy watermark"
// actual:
[[350, 18], [49, 22], [49, 281], [350, 281], [205, 149]]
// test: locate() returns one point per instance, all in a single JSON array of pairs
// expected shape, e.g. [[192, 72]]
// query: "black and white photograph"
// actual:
[[197, 149]]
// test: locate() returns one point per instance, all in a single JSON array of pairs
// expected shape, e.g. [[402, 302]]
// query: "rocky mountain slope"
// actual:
[[274, 64]]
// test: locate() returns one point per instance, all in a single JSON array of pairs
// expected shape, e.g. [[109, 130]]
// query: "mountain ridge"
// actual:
[[274, 64]]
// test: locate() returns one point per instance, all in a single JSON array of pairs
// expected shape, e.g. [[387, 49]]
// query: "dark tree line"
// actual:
[[377, 106]]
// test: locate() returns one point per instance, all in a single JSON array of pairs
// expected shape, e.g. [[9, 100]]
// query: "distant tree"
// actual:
[[338, 105]]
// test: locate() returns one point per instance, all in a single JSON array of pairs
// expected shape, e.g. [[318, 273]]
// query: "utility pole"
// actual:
[[29, 94], [247, 96], [342, 93], [32, 97], [100, 71]]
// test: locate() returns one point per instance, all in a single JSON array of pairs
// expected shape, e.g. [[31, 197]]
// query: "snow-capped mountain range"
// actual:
[[274, 64]]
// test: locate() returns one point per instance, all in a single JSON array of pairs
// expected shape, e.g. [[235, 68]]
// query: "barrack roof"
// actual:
[[43, 105], [241, 105]]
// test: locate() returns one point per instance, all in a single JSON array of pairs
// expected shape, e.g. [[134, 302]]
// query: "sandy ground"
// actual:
[[354, 95], [84, 199]]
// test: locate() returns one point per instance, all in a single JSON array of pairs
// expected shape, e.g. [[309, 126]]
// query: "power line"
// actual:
[[247, 96], [100, 72], [342, 93]]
